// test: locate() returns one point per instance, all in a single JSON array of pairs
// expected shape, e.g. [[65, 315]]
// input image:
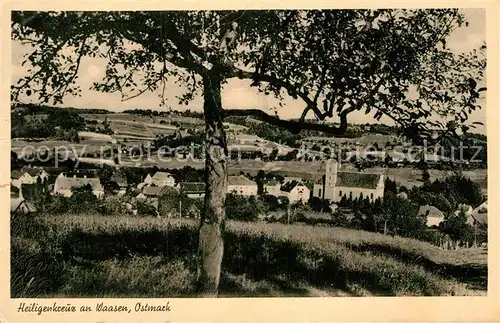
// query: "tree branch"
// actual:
[[291, 125]]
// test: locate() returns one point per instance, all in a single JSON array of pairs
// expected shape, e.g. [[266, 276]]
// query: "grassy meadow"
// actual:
[[99, 256]]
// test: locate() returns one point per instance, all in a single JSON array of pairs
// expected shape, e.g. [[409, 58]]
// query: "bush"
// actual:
[[145, 209], [113, 206], [455, 225], [243, 208]]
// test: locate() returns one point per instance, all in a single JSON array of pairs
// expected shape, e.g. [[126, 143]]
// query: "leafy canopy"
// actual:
[[335, 61]]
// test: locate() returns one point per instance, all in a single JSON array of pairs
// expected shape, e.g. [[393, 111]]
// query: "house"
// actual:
[[64, 185], [17, 178], [434, 215], [296, 191], [335, 184], [38, 173], [240, 185], [479, 215], [151, 194], [160, 179], [21, 206], [466, 209], [193, 189]]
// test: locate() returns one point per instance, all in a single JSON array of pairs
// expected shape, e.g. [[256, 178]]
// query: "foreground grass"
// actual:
[[96, 256]]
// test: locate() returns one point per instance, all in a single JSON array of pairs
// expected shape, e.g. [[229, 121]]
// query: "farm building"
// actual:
[[152, 194], [296, 191], [38, 173], [28, 175], [21, 206], [240, 185], [479, 215], [193, 189], [335, 184], [160, 179], [64, 185], [434, 215]]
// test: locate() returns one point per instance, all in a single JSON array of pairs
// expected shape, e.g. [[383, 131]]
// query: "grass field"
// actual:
[[97, 256]]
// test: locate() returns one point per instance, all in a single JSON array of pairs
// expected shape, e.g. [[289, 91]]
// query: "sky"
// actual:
[[237, 94]]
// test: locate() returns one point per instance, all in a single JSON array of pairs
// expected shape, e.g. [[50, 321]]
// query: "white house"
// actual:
[[240, 185], [28, 175], [434, 215], [479, 215], [18, 178], [296, 191], [64, 185], [160, 179], [38, 173], [335, 184]]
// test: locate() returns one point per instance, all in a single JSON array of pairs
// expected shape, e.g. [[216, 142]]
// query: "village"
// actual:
[[328, 195]]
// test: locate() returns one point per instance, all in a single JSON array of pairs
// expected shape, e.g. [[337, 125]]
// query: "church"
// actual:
[[335, 184]]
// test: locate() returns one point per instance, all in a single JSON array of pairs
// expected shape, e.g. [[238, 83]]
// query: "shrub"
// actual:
[[145, 209]]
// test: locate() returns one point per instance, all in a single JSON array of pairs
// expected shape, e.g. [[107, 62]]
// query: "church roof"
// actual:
[[361, 180]]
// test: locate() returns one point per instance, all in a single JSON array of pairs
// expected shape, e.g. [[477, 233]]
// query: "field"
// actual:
[[98, 256]]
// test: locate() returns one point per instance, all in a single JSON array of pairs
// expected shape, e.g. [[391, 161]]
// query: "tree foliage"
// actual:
[[336, 61]]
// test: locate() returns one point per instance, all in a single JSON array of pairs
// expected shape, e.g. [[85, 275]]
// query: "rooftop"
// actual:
[[161, 176], [192, 187], [290, 185], [239, 180], [156, 191], [430, 211], [67, 183], [361, 180]]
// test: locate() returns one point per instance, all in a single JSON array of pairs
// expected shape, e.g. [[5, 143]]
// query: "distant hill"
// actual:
[[28, 109]]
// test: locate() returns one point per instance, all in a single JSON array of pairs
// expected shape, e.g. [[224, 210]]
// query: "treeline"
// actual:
[[397, 213], [31, 109], [59, 124], [154, 113]]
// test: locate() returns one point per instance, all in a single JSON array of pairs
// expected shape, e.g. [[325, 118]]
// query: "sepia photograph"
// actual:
[[248, 153]]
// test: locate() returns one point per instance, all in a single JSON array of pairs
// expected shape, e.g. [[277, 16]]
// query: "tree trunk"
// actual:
[[212, 222]]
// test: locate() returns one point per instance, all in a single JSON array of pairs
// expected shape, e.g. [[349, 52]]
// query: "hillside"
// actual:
[[95, 256]]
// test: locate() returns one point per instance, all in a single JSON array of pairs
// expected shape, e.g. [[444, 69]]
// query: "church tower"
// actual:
[[331, 168]]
